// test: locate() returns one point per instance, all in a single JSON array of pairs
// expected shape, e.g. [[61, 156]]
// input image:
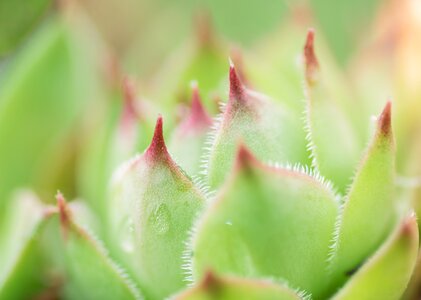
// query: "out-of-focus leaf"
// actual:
[[188, 139], [245, 22], [17, 19], [343, 22], [41, 96], [21, 259], [201, 59], [122, 131]]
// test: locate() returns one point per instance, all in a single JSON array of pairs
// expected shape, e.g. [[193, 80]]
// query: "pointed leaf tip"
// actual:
[[157, 148], [209, 280], [409, 226], [198, 116], [237, 89], [312, 65], [236, 58], [244, 157], [64, 213], [385, 119], [129, 93]]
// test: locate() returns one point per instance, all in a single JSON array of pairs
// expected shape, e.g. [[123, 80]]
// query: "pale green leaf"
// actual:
[[90, 272], [233, 288], [271, 131], [268, 221], [152, 208], [386, 274], [21, 262], [370, 208]]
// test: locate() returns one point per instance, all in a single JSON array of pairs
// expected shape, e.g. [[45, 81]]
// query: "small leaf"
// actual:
[[327, 122], [272, 132], [233, 288], [153, 204], [267, 221], [188, 139], [91, 274], [386, 274], [370, 208], [21, 263]]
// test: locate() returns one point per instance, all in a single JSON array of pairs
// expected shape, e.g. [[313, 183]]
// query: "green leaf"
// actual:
[[21, 263], [202, 59], [118, 134], [188, 139], [90, 272], [152, 208], [386, 274], [41, 96], [370, 209], [267, 221], [326, 122], [271, 131], [233, 288], [17, 19]]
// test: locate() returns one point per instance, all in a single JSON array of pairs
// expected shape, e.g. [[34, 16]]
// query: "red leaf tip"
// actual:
[[311, 63], [409, 225], [157, 148], [244, 157], [197, 118], [64, 212], [236, 58], [209, 280], [385, 119], [129, 93], [237, 89]]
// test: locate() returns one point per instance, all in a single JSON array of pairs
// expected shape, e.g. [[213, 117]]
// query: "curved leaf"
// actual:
[[91, 274], [386, 274], [267, 221], [370, 208], [21, 259]]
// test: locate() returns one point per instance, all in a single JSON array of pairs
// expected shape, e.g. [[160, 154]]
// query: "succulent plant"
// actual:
[[269, 199]]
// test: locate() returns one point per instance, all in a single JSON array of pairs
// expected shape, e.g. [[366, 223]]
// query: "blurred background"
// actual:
[[63, 62]]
